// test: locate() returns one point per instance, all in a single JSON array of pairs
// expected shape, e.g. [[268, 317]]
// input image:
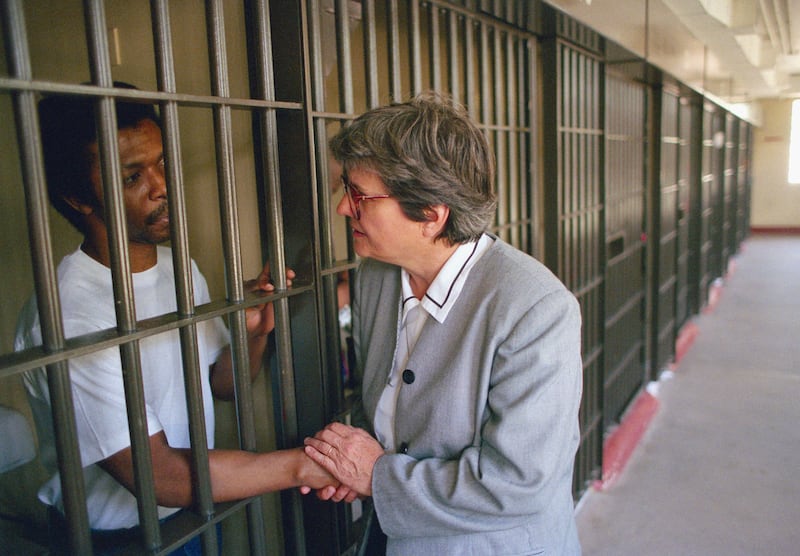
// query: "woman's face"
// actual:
[[383, 232]]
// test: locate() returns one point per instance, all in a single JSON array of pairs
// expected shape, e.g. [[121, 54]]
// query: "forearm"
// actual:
[[235, 475]]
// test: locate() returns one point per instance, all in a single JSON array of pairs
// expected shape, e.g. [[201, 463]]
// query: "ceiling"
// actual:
[[735, 50]]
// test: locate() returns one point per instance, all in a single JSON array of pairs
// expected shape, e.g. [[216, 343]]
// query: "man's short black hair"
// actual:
[[68, 128]]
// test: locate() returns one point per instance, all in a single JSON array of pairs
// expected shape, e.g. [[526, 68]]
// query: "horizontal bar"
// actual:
[[17, 362], [138, 94]]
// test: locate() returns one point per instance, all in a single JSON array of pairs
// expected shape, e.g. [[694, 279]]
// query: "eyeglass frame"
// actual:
[[354, 198]]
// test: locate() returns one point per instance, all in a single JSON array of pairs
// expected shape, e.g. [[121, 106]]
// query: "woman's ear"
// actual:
[[436, 219]]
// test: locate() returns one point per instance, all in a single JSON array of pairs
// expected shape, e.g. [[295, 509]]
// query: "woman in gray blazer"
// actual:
[[467, 348]]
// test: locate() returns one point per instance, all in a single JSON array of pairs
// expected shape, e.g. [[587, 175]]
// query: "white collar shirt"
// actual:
[[437, 302]]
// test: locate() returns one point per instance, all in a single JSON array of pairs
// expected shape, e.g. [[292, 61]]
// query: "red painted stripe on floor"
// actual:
[[686, 337], [620, 444], [779, 230]]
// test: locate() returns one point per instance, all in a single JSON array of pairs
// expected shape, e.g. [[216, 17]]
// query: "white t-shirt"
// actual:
[[87, 304]]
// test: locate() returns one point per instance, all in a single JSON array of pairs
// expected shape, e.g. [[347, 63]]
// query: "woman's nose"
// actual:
[[343, 208]]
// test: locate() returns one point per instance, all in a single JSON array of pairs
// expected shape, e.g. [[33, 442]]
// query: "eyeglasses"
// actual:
[[355, 198]]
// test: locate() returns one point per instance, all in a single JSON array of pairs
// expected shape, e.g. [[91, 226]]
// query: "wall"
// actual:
[[775, 203]]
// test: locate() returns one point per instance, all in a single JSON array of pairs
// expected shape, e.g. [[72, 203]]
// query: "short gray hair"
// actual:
[[428, 152]]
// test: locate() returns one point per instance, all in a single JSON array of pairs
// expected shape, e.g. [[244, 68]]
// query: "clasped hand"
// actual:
[[349, 454]]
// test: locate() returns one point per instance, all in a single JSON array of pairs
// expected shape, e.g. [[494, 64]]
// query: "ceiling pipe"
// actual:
[[782, 16], [768, 15]]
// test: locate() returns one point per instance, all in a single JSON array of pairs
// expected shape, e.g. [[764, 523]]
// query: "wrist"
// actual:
[[299, 466]]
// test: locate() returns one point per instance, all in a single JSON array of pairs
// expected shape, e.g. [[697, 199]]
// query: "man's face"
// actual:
[[144, 185]]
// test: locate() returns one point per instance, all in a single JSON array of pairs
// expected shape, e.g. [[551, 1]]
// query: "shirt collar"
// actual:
[[446, 287]]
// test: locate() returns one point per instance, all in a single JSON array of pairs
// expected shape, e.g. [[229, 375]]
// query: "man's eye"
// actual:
[[130, 180]]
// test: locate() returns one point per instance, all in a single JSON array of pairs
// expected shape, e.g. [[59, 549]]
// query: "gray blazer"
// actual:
[[487, 418]]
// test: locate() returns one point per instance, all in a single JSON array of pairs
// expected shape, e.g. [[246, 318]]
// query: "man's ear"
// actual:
[[436, 219], [79, 206]]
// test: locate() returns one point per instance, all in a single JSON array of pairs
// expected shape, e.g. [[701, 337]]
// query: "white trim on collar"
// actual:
[[446, 287]]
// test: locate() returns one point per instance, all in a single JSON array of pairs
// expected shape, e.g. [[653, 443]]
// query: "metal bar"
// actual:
[[527, 107], [435, 58], [45, 281], [415, 46], [265, 74], [285, 371], [511, 137], [317, 99], [228, 217], [393, 32], [470, 86], [370, 53], [343, 57], [138, 94], [114, 213], [500, 117], [317, 77], [198, 435], [452, 54], [484, 73], [35, 357]]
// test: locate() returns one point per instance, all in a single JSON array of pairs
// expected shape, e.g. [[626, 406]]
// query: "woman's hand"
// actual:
[[349, 454]]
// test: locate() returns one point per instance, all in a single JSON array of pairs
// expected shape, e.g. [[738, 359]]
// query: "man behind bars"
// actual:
[[72, 167]]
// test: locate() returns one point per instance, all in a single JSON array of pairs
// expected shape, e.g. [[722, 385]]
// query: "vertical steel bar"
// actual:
[[121, 273], [265, 73], [501, 132], [315, 87], [484, 75], [198, 435], [513, 126], [346, 103], [223, 134], [45, 280], [370, 53], [581, 249], [415, 42], [434, 55], [393, 31], [484, 78], [453, 59], [470, 85], [528, 163], [276, 240], [317, 101]]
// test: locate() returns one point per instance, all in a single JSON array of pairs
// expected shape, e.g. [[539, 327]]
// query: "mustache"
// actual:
[[158, 213]]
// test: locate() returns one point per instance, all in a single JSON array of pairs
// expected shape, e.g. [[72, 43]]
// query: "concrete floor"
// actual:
[[718, 470]]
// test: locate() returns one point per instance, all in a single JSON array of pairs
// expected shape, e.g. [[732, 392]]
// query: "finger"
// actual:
[[319, 453], [328, 436], [351, 496], [326, 493], [340, 429], [341, 493], [305, 490]]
